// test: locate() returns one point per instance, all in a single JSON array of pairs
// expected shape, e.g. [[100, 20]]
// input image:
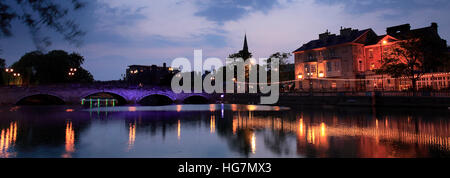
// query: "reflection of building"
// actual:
[[329, 135], [154, 75], [347, 61]]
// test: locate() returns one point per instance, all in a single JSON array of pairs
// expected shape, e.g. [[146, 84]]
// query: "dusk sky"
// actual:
[[126, 32]]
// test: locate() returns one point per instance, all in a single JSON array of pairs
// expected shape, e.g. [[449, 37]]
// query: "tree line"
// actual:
[[54, 67]]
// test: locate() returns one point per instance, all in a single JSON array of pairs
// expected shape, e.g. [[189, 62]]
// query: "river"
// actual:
[[222, 131]]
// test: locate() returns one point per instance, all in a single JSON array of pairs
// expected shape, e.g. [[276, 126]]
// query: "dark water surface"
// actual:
[[222, 131]]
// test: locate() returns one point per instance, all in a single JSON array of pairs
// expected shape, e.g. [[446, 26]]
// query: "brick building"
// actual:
[[346, 62]]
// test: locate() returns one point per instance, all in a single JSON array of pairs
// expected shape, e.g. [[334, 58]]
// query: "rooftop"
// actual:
[[326, 39], [349, 35]]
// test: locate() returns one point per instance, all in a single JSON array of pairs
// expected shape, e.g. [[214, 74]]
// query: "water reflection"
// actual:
[[212, 124], [70, 141], [8, 140], [224, 131], [179, 130]]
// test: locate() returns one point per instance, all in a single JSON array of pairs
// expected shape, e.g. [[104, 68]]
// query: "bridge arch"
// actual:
[[41, 99], [156, 100], [196, 99], [121, 100]]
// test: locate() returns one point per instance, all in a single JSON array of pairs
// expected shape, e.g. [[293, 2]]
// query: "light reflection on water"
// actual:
[[223, 131]]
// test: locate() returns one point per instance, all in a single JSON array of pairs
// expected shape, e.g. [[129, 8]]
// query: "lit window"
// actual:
[[333, 85], [370, 53]]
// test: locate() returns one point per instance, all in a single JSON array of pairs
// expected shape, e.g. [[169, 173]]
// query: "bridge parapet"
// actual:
[[74, 93]]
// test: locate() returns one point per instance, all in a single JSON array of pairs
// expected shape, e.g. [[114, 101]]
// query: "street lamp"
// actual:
[[9, 71], [72, 72], [16, 75]]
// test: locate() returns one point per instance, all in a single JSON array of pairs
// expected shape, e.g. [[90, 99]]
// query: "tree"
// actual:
[[282, 57], [53, 67], [241, 54], [36, 14], [2, 72], [2, 63], [414, 57]]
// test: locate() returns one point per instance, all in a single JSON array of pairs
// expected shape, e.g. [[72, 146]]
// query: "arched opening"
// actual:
[[196, 100], [156, 100], [104, 99], [41, 99]]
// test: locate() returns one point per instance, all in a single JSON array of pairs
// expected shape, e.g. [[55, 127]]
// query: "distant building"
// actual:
[[346, 62], [150, 75]]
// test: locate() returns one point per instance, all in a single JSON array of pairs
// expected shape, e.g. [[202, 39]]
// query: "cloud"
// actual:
[[171, 19]]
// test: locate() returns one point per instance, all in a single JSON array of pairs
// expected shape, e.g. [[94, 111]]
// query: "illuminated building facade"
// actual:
[[347, 62]]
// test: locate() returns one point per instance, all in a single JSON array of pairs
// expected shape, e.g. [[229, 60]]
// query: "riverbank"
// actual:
[[288, 99]]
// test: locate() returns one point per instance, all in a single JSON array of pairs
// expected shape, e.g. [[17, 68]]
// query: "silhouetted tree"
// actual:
[[414, 57], [36, 14], [282, 57], [53, 67], [2, 63], [2, 72], [241, 54]]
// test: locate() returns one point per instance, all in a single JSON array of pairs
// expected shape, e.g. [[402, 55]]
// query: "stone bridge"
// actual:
[[74, 93]]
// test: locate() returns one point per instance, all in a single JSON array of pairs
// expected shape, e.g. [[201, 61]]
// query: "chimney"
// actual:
[[398, 29], [346, 31], [164, 65], [324, 36], [434, 26]]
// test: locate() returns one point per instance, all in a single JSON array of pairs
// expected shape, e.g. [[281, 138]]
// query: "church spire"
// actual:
[[245, 49]]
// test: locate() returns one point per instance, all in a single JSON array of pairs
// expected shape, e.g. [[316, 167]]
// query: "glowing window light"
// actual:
[[300, 76], [321, 74]]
